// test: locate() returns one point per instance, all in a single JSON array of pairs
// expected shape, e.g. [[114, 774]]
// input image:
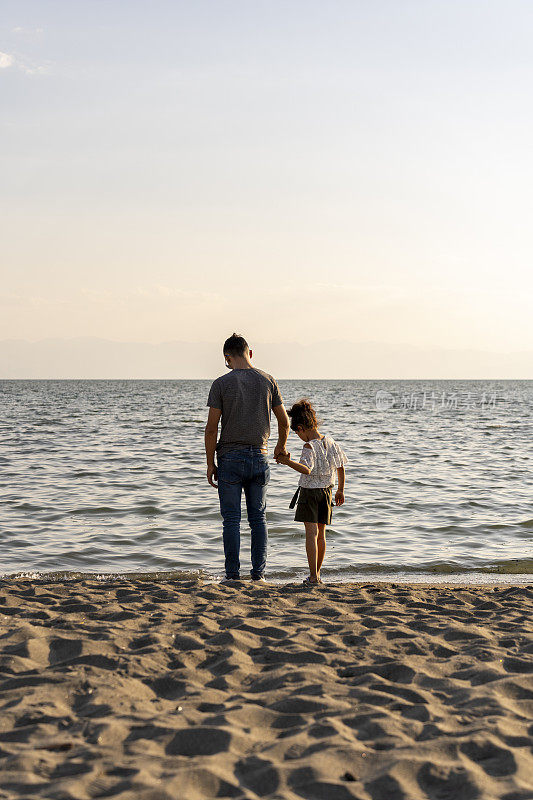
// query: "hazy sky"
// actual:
[[296, 171]]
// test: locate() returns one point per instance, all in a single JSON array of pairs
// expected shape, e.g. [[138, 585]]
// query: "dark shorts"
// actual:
[[314, 505]]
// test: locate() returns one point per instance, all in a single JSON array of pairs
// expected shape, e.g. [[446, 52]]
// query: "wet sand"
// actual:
[[154, 690]]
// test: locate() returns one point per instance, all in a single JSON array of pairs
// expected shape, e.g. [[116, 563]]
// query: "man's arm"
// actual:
[[283, 429], [211, 433]]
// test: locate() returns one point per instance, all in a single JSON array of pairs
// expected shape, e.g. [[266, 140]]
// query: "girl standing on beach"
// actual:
[[321, 456]]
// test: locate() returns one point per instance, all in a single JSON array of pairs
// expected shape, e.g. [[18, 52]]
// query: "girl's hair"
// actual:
[[302, 413]]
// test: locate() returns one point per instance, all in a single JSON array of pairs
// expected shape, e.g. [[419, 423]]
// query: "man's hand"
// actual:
[[283, 429], [279, 450], [212, 476], [283, 458], [211, 432], [339, 498]]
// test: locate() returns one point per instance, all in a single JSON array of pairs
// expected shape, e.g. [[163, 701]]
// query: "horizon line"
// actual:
[[471, 380]]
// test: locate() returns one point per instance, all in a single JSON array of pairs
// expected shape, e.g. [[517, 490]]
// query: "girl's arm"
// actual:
[[294, 464], [339, 494]]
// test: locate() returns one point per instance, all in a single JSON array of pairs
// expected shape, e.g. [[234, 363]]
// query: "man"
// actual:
[[244, 399]]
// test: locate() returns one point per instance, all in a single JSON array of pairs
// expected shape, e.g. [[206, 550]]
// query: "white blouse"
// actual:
[[323, 458]]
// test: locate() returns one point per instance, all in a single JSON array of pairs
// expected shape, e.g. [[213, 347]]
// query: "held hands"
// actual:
[[283, 458], [339, 498], [279, 450]]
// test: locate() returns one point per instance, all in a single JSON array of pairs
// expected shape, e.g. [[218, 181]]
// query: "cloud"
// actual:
[[334, 293], [28, 69], [20, 300], [154, 293], [25, 65], [6, 60], [28, 31]]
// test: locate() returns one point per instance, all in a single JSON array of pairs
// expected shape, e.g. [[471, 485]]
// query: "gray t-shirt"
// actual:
[[245, 397]]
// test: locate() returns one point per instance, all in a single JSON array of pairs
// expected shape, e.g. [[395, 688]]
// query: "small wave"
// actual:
[[30, 507], [23, 575], [519, 566], [331, 577], [500, 526], [85, 474], [446, 529], [73, 575], [431, 571], [95, 510], [148, 511]]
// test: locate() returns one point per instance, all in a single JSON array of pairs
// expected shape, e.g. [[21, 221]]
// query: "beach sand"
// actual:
[[157, 689]]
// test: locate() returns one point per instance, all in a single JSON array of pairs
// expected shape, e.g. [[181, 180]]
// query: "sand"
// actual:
[[153, 690]]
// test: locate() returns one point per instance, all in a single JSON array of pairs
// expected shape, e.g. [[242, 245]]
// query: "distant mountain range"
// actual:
[[90, 357]]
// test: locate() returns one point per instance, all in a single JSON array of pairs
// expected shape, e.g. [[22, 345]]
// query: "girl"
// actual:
[[321, 455]]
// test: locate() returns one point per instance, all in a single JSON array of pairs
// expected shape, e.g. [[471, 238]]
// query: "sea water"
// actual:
[[109, 477]]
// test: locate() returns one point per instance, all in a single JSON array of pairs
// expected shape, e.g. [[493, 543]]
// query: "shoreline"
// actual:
[[465, 579], [157, 689]]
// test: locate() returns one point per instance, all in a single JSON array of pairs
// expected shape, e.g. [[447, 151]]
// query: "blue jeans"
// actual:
[[246, 469]]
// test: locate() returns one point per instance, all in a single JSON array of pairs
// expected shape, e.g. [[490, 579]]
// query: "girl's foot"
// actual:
[[309, 581]]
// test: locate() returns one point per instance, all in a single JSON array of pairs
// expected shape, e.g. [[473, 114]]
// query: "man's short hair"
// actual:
[[235, 346]]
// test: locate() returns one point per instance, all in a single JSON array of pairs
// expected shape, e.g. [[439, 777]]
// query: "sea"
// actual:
[[108, 477]]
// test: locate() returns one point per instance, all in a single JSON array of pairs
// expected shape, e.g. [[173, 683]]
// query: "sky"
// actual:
[[294, 171]]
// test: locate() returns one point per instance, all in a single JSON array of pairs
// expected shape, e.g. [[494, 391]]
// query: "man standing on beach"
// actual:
[[244, 399]]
